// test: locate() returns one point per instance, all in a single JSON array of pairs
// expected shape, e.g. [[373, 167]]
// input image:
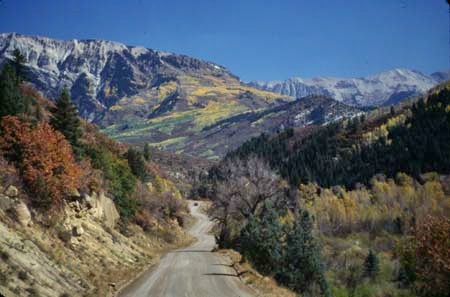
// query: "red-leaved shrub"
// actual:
[[44, 159]]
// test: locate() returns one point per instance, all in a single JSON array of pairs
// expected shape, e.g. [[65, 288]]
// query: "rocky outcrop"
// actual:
[[22, 214], [102, 208], [12, 191], [110, 213], [6, 202], [9, 201]]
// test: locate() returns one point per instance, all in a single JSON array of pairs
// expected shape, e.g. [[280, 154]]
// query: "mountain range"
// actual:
[[385, 88], [187, 105]]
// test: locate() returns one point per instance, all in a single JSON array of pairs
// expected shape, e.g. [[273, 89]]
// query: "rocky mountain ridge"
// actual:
[[384, 88], [98, 72]]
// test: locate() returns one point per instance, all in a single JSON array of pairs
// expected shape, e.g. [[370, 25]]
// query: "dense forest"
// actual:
[[336, 154]]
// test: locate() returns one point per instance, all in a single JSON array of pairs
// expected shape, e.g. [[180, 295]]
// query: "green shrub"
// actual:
[[4, 255], [120, 179], [64, 235], [3, 278], [22, 275], [33, 292]]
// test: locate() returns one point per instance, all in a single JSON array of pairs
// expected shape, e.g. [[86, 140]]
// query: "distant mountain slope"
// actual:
[[225, 135], [441, 76], [383, 88]]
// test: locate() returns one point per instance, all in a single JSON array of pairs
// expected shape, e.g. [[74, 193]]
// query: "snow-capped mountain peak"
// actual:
[[386, 87]]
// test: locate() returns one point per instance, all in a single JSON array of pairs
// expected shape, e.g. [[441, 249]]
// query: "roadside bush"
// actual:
[[120, 180], [158, 206]]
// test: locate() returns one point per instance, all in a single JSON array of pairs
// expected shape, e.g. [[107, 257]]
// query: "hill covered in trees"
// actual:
[[358, 207], [413, 140]]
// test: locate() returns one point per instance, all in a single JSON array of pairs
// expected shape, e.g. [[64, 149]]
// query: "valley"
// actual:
[[127, 171]]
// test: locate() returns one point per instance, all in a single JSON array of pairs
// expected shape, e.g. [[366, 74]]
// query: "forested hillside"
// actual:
[[359, 207], [413, 140]]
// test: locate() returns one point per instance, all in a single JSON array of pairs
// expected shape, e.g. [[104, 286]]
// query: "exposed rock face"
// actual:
[[110, 213], [6, 202], [102, 208], [383, 88], [98, 73], [22, 213], [12, 191]]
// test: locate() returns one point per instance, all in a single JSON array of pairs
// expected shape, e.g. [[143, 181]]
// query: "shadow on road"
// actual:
[[221, 274], [190, 251]]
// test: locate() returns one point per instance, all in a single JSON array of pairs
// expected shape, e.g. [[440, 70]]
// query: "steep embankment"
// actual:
[[82, 256]]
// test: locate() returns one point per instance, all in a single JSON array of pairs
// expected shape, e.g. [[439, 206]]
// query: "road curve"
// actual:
[[191, 272]]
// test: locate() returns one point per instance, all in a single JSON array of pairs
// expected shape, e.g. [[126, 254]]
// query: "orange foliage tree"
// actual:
[[44, 159]]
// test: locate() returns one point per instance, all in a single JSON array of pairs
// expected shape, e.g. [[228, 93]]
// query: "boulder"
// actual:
[[75, 194], [22, 213], [77, 231], [11, 191], [88, 200], [110, 213], [6, 202]]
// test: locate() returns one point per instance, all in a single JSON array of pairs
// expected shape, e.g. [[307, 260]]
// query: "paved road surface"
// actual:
[[191, 272]]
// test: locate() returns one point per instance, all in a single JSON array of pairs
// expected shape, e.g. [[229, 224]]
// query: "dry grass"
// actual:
[[263, 286]]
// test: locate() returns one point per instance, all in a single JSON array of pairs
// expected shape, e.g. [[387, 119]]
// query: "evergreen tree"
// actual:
[[371, 265], [260, 241], [11, 100], [137, 163], [65, 119], [147, 153], [302, 268]]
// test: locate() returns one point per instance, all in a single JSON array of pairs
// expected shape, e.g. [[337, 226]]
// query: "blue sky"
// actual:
[[256, 39]]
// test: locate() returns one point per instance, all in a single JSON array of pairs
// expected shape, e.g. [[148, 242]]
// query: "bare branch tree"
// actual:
[[245, 187]]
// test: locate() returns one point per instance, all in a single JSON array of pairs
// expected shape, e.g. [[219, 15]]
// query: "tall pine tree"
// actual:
[[371, 265], [65, 119], [302, 267], [11, 100], [137, 163], [261, 241], [147, 152]]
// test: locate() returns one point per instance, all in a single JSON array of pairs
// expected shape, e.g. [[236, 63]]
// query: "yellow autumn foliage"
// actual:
[[381, 207]]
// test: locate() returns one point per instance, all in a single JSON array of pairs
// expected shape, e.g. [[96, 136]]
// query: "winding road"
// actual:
[[191, 272]]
